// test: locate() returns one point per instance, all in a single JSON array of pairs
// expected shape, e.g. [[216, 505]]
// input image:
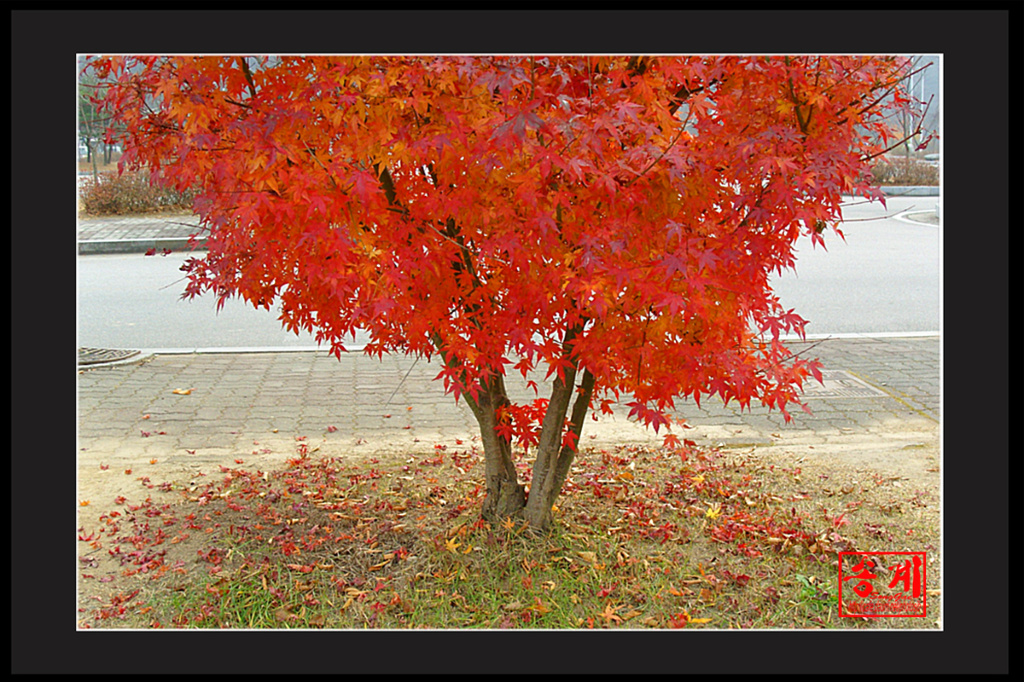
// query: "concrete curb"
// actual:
[[911, 191], [109, 246], [357, 349]]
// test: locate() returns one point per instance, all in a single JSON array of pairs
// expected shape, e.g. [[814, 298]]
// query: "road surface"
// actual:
[[883, 279]]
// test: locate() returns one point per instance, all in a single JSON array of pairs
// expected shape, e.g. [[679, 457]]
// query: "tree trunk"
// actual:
[[555, 457], [92, 158], [506, 497]]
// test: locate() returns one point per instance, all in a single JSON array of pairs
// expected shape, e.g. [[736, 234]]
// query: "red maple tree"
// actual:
[[614, 220]]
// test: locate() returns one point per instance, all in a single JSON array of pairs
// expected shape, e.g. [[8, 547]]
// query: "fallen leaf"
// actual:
[[587, 556], [609, 614], [152, 461], [284, 614], [84, 503], [539, 606], [182, 391], [332, 429]]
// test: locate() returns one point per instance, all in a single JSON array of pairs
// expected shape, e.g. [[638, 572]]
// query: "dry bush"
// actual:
[[129, 193], [906, 172]]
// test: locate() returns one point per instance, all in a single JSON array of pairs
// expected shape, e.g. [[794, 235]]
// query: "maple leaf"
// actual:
[[609, 614]]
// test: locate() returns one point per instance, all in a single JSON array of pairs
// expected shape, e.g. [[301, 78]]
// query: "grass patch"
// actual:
[[646, 538]]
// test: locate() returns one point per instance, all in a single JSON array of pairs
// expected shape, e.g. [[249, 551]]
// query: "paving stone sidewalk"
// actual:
[[136, 234], [250, 403]]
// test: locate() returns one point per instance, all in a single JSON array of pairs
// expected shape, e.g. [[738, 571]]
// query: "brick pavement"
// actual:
[[135, 234], [253, 402]]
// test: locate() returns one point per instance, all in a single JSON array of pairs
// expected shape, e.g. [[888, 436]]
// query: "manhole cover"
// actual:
[[95, 356], [839, 384]]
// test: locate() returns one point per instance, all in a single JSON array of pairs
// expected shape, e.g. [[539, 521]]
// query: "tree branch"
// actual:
[[248, 76]]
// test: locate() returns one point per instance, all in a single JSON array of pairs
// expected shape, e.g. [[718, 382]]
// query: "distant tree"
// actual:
[[614, 220], [90, 127]]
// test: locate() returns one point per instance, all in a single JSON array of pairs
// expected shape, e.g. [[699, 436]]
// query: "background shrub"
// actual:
[[903, 171], [129, 193]]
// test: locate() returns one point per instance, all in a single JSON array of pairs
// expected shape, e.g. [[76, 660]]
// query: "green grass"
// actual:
[[645, 538]]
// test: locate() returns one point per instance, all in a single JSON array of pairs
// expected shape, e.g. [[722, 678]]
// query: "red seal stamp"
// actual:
[[882, 584]]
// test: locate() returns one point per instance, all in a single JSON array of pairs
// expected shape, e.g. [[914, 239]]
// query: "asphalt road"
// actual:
[[884, 278], [134, 301]]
